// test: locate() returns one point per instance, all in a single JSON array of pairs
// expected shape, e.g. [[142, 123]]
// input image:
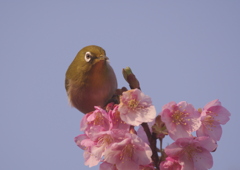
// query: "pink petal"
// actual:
[[143, 157], [107, 166], [84, 123], [173, 149], [111, 157], [130, 118], [185, 107], [91, 117], [165, 116], [127, 165], [215, 131], [212, 103], [169, 105], [207, 143], [78, 140], [203, 161], [220, 114], [90, 160], [179, 133], [188, 164]]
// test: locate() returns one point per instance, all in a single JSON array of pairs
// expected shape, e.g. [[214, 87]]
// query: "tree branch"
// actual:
[[134, 83]]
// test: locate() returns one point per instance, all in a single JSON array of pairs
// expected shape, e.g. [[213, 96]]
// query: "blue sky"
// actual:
[[179, 51]]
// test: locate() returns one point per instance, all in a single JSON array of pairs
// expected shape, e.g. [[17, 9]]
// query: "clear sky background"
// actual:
[[179, 51]]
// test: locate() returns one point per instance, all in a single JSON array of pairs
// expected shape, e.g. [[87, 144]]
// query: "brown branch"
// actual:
[[153, 141], [134, 83]]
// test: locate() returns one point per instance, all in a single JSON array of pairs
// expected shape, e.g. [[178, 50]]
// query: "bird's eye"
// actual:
[[88, 56]]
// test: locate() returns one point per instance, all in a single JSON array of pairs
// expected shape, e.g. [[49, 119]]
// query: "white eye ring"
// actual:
[[88, 56]]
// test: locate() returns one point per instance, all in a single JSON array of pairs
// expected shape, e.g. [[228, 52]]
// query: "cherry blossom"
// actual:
[[115, 120], [94, 146], [95, 121], [193, 152], [170, 164], [136, 107], [110, 137], [212, 116], [180, 119], [129, 153]]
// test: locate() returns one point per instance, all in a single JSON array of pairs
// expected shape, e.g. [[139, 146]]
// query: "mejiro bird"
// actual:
[[90, 80]]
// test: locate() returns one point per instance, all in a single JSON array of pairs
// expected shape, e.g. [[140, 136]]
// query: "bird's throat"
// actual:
[[98, 74]]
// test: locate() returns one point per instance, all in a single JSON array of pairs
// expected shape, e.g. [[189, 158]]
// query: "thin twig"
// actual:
[[160, 139], [152, 140]]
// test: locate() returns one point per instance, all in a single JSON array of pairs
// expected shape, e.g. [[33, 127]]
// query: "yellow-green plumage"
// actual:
[[90, 81]]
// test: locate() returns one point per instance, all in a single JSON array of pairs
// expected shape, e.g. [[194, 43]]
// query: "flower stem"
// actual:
[[160, 139], [152, 140]]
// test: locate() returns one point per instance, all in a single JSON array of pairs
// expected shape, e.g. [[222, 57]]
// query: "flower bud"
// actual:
[[130, 78], [159, 128]]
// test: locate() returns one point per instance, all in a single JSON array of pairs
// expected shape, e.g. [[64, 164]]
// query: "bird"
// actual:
[[90, 80]]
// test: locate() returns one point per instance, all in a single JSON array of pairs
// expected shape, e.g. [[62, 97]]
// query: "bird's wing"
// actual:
[[66, 84]]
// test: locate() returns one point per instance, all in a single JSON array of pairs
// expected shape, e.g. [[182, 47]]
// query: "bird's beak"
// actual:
[[103, 57]]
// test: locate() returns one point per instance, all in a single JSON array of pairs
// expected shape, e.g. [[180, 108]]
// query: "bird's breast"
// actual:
[[97, 89]]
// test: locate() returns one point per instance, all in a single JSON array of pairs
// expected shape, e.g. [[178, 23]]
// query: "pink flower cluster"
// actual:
[[189, 152], [110, 139]]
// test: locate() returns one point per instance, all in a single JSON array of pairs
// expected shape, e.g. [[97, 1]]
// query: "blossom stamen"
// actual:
[[133, 104], [209, 122], [99, 119], [105, 140], [127, 152], [190, 152], [178, 117]]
